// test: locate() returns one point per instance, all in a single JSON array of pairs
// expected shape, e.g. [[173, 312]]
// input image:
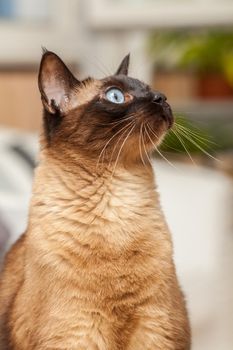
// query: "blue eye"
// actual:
[[115, 95]]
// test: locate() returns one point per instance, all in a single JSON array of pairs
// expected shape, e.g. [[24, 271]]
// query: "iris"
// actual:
[[115, 95]]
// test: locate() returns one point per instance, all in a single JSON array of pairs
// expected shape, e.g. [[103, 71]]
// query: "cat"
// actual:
[[94, 269]]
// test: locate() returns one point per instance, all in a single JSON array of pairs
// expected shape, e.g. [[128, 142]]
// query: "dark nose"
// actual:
[[159, 98]]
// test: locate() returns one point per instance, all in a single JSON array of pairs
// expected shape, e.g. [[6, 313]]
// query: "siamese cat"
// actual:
[[94, 269]]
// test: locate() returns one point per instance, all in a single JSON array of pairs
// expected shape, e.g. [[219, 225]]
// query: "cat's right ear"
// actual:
[[57, 84], [124, 66]]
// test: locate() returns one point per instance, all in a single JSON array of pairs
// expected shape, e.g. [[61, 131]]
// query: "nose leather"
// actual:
[[159, 98]]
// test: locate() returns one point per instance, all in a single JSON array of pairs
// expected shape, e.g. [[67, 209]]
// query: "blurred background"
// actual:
[[184, 48]]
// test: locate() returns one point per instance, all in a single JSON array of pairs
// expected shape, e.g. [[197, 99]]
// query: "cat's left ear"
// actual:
[[124, 66], [57, 84]]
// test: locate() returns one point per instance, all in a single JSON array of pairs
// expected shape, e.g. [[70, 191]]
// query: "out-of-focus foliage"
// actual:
[[195, 138], [186, 137], [200, 51]]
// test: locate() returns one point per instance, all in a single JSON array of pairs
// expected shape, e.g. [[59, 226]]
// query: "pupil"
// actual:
[[115, 96]]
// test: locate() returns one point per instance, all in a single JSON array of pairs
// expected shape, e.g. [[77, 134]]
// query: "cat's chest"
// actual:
[[113, 213], [101, 283]]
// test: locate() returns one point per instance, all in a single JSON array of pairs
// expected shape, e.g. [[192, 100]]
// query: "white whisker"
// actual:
[[183, 144], [197, 145], [122, 135], [105, 146], [123, 143], [156, 148], [145, 147], [140, 149]]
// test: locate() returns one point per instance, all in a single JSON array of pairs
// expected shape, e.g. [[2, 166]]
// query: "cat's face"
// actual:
[[117, 116]]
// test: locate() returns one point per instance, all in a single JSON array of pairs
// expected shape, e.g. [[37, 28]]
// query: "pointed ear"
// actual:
[[124, 66], [57, 84]]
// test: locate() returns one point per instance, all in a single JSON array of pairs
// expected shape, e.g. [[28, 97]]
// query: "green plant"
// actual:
[[207, 52], [201, 51]]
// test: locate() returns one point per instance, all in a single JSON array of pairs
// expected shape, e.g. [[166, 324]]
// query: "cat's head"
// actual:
[[115, 117]]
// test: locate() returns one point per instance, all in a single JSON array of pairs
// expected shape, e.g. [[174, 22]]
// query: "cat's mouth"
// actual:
[[167, 115], [163, 108]]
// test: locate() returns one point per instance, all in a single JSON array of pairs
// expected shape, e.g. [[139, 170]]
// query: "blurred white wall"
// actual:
[[197, 202]]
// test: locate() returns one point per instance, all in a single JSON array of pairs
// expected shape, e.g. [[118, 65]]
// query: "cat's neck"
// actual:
[[84, 200]]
